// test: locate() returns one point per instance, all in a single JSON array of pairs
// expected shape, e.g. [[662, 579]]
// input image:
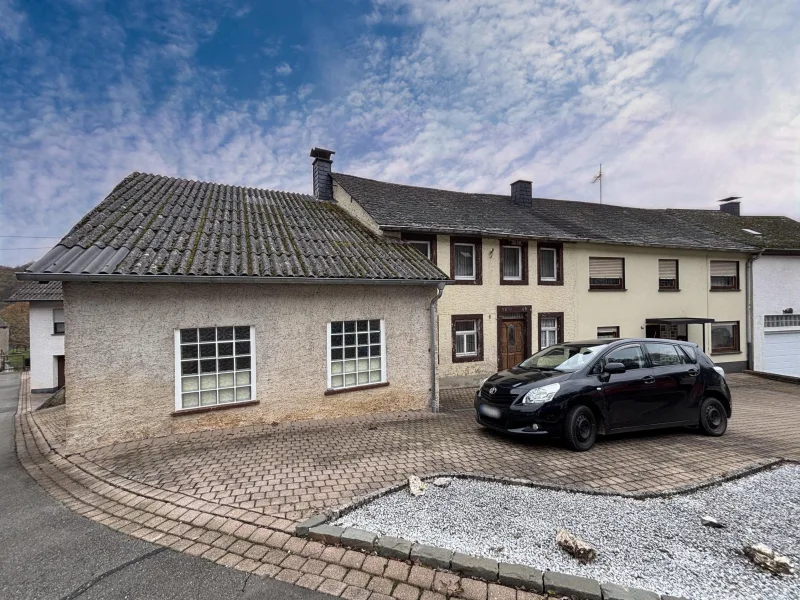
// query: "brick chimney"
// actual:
[[730, 205], [522, 193], [321, 167]]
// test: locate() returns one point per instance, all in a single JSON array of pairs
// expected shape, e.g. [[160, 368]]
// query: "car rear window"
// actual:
[[689, 353]]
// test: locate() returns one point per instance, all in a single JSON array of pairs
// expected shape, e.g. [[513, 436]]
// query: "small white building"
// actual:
[[772, 282], [46, 325]]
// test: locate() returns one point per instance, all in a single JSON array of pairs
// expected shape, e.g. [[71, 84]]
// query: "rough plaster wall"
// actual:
[[485, 298], [120, 364], [44, 345], [776, 286]]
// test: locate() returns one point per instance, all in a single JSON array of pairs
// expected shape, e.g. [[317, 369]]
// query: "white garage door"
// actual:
[[782, 352]]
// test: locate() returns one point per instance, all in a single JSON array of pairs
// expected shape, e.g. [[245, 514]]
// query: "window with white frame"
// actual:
[[789, 320], [464, 263], [512, 263], [356, 353], [58, 321], [215, 365], [466, 338], [548, 332], [548, 264], [423, 246]]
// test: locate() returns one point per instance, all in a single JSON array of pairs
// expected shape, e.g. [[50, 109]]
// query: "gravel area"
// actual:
[[656, 544]]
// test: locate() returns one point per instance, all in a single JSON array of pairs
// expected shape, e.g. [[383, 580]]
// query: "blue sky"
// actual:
[[684, 101]]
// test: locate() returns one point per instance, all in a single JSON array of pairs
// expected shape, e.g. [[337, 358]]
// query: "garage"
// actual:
[[782, 352]]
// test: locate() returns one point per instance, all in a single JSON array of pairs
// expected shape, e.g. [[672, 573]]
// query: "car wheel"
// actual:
[[580, 428], [713, 418]]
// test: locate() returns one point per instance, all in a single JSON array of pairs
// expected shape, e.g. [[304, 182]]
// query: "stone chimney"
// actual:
[[321, 167], [522, 193], [730, 205]]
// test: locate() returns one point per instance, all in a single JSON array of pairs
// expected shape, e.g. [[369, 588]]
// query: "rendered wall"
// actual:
[[776, 286], [45, 345]]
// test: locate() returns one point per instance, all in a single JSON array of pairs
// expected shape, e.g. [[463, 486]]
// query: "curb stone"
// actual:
[[559, 584], [430, 556], [392, 547], [612, 591], [328, 534], [471, 566], [358, 539], [302, 529], [520, 576]]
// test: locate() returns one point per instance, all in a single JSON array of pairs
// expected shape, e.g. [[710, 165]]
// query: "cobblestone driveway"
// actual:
[[293, 470]]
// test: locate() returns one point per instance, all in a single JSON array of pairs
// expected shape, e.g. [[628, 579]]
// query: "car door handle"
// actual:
[[693, 372], [649, 379]]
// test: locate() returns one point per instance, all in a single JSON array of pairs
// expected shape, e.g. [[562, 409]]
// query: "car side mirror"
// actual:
[[614, 368]]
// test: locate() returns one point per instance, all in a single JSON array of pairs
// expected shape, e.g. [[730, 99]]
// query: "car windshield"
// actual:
[[562, 357]]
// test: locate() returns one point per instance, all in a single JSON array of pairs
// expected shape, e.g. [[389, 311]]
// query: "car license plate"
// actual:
[[489, 411]]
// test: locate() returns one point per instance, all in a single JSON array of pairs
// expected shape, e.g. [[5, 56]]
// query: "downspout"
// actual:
[[434, 395], [748, 282]]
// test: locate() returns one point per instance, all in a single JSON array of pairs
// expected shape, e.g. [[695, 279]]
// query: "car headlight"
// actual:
[[540, 395]]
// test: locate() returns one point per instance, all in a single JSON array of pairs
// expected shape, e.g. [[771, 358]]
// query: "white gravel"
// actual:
[[657, 544]]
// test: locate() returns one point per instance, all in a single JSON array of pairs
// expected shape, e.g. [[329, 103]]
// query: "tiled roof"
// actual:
[[405, 207], [155, 226], [28, 291], [776, 233]]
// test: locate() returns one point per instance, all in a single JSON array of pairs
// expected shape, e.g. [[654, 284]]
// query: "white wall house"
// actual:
[[46, 329], [776, 314]]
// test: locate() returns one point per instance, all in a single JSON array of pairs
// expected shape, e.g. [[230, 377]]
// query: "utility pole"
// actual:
[[599, 177]]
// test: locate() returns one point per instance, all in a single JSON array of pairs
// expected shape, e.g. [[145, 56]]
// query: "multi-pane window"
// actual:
[[422, 246], [464, 261], [512, 263], [606, 273], [58, 321], [216, 366], [357, 353], [724, 275], [725, 337], [548, 332], [667, 274], [782, 320], [466, 338], [548, 264], [605, 333]]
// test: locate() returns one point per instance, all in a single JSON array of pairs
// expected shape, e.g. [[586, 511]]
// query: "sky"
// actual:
[[684, 102]]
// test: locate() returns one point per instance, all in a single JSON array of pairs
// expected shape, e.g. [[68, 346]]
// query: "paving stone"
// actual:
[[379, 596], [429, 595], [293, 562], [314, 566], [327, 534], [352, 559], [288, 575], [355, 593], [335, 572], [267, 570], [403, 591], [380, 585], [557, 584], [302, 529], [374, 565], [313, 549], [472, 566], [295, 545], [275, 556], [332, 554], [523, 595], [472, 589], [422, 577], [448, 584], [520, 576], [332, 587], [307, 580], [501, 592], [430, 556], [397, 570], [392, 547], [356, 578], [358, 539], [612, 591]]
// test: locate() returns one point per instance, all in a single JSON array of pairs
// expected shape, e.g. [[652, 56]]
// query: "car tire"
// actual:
[[713, 418], [580, 428]]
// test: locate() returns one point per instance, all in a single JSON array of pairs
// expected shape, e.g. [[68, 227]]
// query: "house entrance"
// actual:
[[513, 335]]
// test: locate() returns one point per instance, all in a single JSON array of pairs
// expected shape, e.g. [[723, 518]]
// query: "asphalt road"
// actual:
[[47, 551]]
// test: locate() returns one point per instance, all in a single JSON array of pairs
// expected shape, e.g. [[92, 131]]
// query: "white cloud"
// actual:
[[12, 21], [283, 69]]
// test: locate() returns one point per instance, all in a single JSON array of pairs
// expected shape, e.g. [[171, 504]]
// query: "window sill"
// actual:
[[725, 290], [513, 282], [669, 290], [466, 282], [202, 409], [355, 388], [554, 282], [57, 334], [608, 289], [723, 352], [464, 359]]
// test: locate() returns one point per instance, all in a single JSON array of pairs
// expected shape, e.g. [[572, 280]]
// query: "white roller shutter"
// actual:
[[605, 268], [782, 352]]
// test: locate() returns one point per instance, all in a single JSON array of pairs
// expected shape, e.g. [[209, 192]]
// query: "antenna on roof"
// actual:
[[599, 177]]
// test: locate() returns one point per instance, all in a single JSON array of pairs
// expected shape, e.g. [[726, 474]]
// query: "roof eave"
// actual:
[[117, 278]]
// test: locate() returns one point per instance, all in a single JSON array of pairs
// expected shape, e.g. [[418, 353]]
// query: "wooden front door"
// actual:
[[60, 368], [512, 343]]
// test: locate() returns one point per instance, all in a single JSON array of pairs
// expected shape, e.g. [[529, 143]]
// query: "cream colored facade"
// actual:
[[121, 365]]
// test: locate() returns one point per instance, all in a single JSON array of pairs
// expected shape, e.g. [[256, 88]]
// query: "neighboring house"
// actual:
[[530, 272], [46, 329], [185, 298], [4, 334], [775, 285]]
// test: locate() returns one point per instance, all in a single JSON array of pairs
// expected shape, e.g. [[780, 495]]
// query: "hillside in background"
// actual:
[[8, 281]]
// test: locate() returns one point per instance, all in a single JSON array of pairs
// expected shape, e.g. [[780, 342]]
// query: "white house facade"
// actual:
[[776, 315]]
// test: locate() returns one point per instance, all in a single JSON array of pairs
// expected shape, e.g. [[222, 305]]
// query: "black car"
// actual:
[[579, 389]]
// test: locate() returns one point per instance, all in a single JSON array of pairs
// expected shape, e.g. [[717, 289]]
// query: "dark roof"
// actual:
[[29, 291], [155, 226], [404, 207], [777, 233]]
